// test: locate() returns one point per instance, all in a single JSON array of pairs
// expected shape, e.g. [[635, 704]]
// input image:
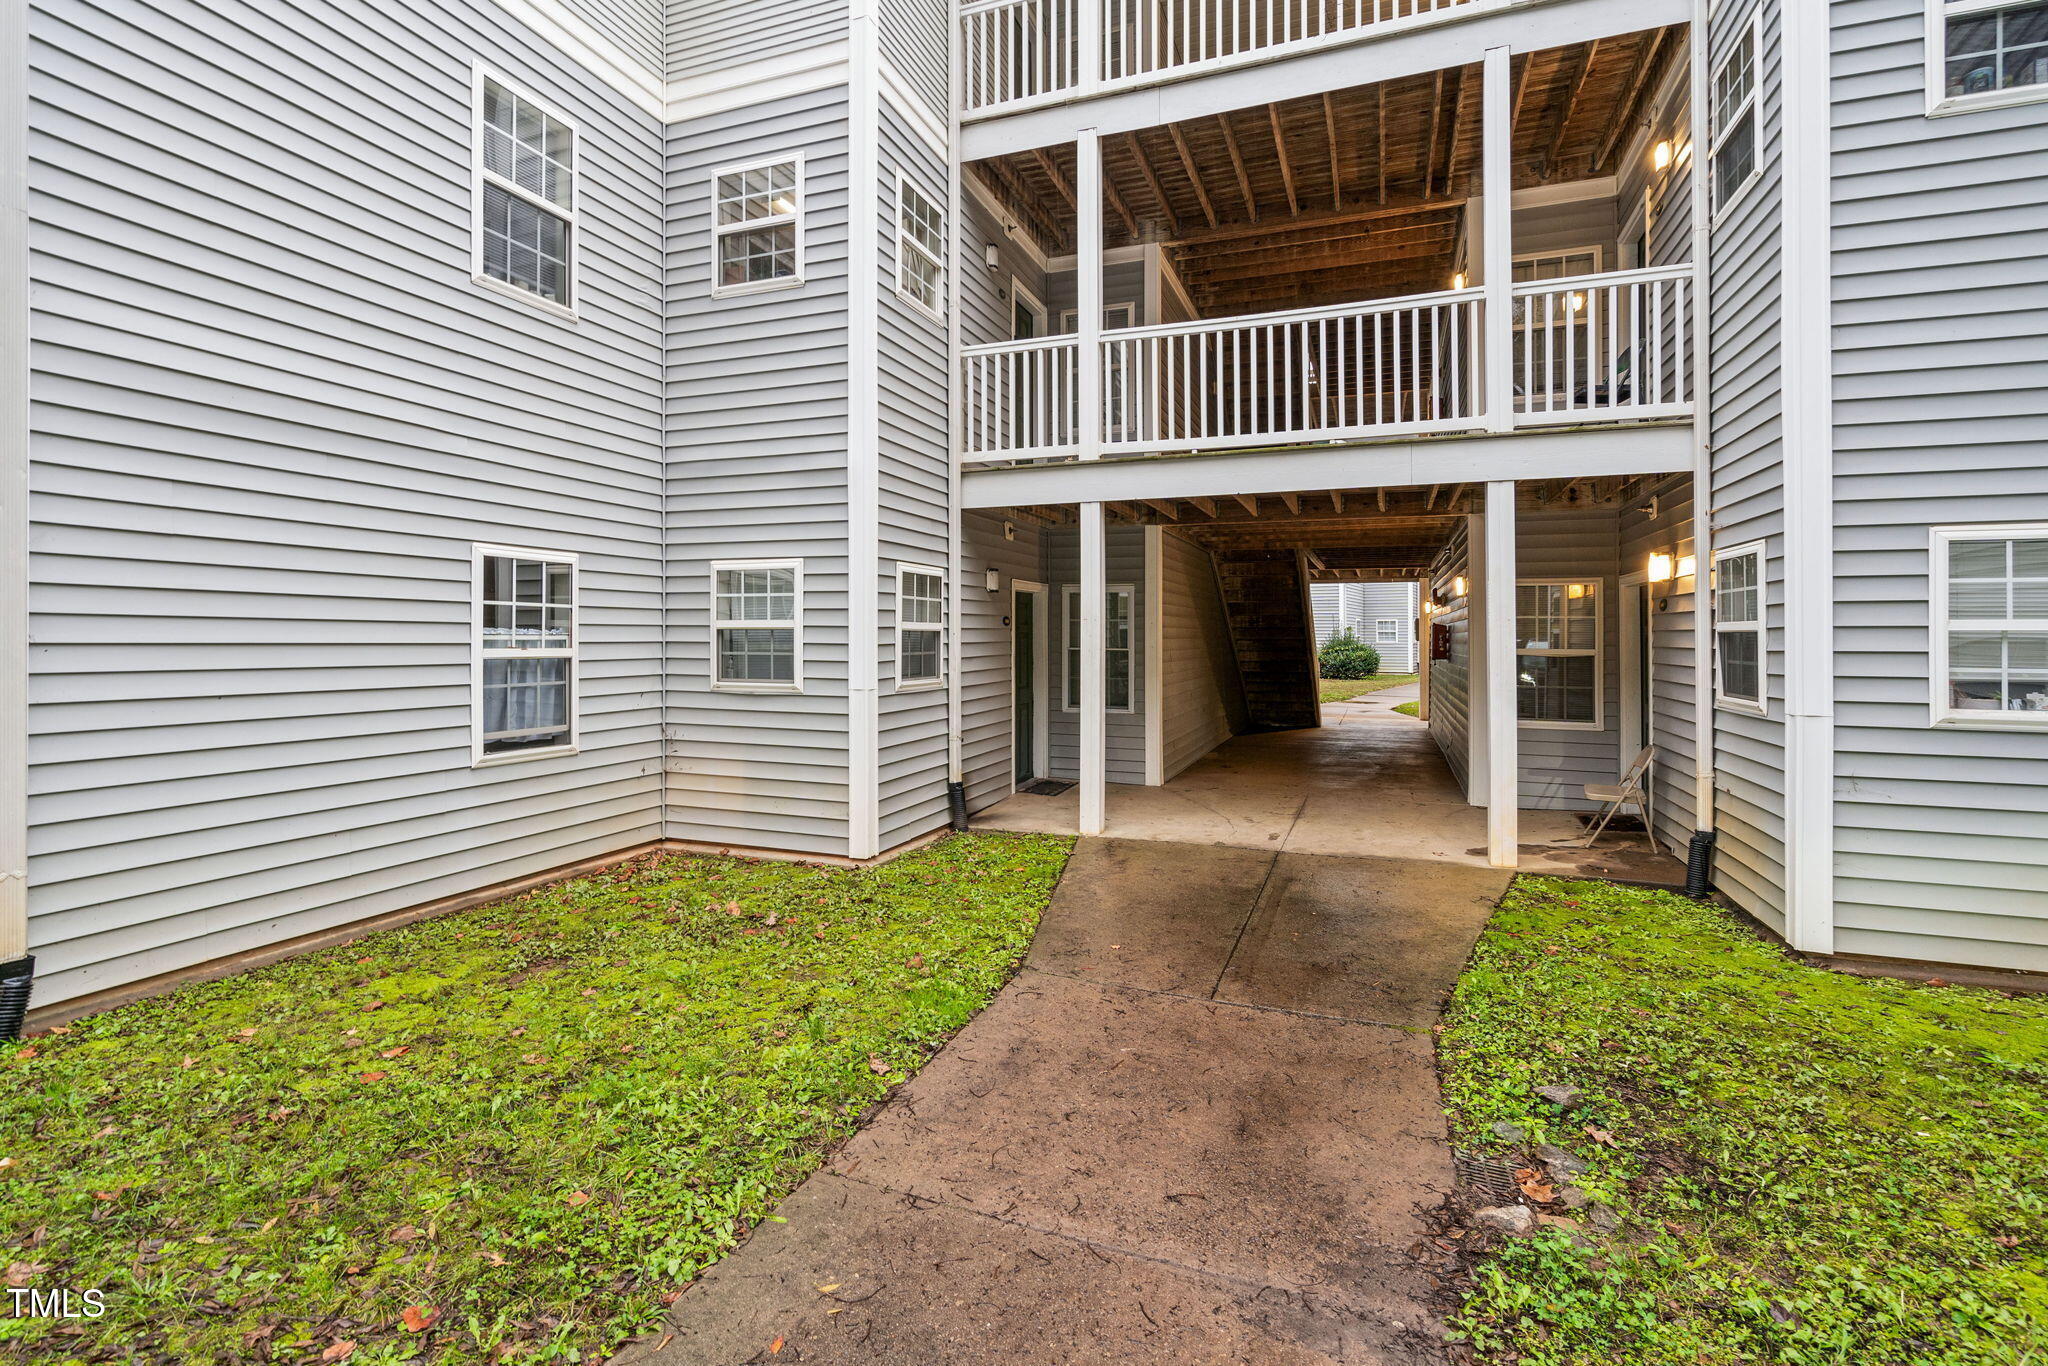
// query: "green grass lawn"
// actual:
[[1410, 709], [508, 1133], [1807, 1167], [1344, 689]]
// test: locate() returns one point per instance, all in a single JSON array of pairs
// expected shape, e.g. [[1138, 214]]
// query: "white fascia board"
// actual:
[[556, 24], [772, 78]]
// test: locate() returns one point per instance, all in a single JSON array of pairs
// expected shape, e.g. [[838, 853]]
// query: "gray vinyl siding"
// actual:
[[985, 649], [1450, 680], [916, 474], [1198, 670], [1557, 763], [1748, 487], [1558, 228], [1124, 562], [271, 417], [1359, 608], [709, 36], [634, 25], [1671, 652], [755, 404], [1941, 363], [913, 37]]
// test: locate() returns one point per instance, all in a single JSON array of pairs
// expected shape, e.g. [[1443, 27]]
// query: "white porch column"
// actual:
[[1088, 285], [1094, 732], [1424, 630], [1503, 761], [1088, 45], [1497, 238]]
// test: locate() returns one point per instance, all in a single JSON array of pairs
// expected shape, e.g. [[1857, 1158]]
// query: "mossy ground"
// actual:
[[526, 1123], [1344, 689], [1808, 1167]]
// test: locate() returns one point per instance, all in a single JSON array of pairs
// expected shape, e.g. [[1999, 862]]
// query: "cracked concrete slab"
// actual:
[[862, 1275], [1264, 1146]]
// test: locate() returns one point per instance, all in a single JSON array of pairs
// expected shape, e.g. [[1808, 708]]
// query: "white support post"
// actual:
[[14, 487], [1094, 718], [1088, 45], [1477, 681], [1425, 627], [1703, 758], [1088, 286], [1503, 761], [1497, 238]]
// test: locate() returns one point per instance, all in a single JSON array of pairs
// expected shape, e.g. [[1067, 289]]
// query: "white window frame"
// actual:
[[1386, 630], [794, 218], [942, 626], [1939, 101], [1021, 293], [1070, 641], [479, 552], [479, 177], [1598, 654], [1760, 705], [1939, 623], [795, 626], [1751, 105], [906, 242]]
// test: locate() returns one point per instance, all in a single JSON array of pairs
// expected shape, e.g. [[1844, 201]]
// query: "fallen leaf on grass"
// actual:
[[1599, 1135], [877, 1066], [374, 1076], [339, 1351], [1534, 1186], [576, 1199], [397, 1052], [24, 1053], [420, 1317], [374, 1005], [21, 1273]]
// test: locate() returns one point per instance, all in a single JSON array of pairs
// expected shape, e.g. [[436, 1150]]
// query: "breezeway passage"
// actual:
[[1368, 781], [1202, 1125]]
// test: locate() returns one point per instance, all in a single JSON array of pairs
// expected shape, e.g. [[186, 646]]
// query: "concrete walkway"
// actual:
[[1200, 1126]]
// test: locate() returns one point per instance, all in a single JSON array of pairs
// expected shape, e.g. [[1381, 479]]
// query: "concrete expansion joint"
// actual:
[[1235, 1005]]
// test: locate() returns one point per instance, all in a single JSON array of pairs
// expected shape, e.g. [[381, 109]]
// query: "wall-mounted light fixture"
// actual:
[[995, 580], [1458, 586], [1659, 568], [993, 255], [1660, 156], [1459, 280]]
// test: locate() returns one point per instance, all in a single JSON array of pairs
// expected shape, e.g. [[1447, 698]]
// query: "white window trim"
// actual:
[[478, 553], [1023, 293], [1382, 636], [795, 626], [1761, 704], [1940, 714], [720, 231], [1722, 207], [478, 177], [1939, 102], [906, 243], [1071, 593], [944, 628], [1598, 654]]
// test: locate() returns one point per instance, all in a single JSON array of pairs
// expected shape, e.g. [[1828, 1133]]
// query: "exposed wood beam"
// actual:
[[1286, 166], [1383, 500], [1337, 502], [1379, 161], [1577, 85], [1207, 505], [1058, 179], [1249, 501], [1430, 501], [1292, 502], [1451, 162], [1151, 178], [1625, 113], [1436, 113], [1336, 169], [1244, 180], [1274, 234], [1011, 192], [1187, 164], [1164, 508], [1353, 258], [1123, 211]]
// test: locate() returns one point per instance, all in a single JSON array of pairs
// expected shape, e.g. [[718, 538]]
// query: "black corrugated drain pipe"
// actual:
[[956, 804], [15, 980], [1697, 856]]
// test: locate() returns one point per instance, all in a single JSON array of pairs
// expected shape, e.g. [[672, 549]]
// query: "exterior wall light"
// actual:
[[1458, 281], [1660, 156], [1458, 586], [1660, 569]]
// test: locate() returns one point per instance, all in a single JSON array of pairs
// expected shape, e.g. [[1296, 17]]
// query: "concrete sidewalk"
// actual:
[[1200, 1126]]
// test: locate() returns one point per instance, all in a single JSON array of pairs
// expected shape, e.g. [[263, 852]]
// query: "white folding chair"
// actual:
[[1630, 791]]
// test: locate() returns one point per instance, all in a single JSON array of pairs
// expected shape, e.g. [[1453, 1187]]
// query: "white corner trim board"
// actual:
[[14, 495], [771, 78], [863, 440]]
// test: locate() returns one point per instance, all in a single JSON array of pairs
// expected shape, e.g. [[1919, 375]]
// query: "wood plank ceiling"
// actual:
[[1353, 194], [1373, 533]]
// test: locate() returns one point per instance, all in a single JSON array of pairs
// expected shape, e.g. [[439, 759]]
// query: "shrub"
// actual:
[[1344, 655]]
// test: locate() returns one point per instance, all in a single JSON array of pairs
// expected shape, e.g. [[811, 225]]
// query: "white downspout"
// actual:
[[15, 964], [1703, 435], [956, 567]]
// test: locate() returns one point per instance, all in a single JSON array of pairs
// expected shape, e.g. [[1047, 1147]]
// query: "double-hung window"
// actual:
[[1985, 53], [1116, 638], [757, 625], [1386, 631], [920, 627], [1739, 626], [1990, 620], [523, 688], [1557, 653], [524, 196], [1736, 152], [920, 248], [757, 225]]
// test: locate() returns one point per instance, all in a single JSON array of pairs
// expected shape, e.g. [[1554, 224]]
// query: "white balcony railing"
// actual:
[[1604, 346], [1019, 51], [1595, 348]]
